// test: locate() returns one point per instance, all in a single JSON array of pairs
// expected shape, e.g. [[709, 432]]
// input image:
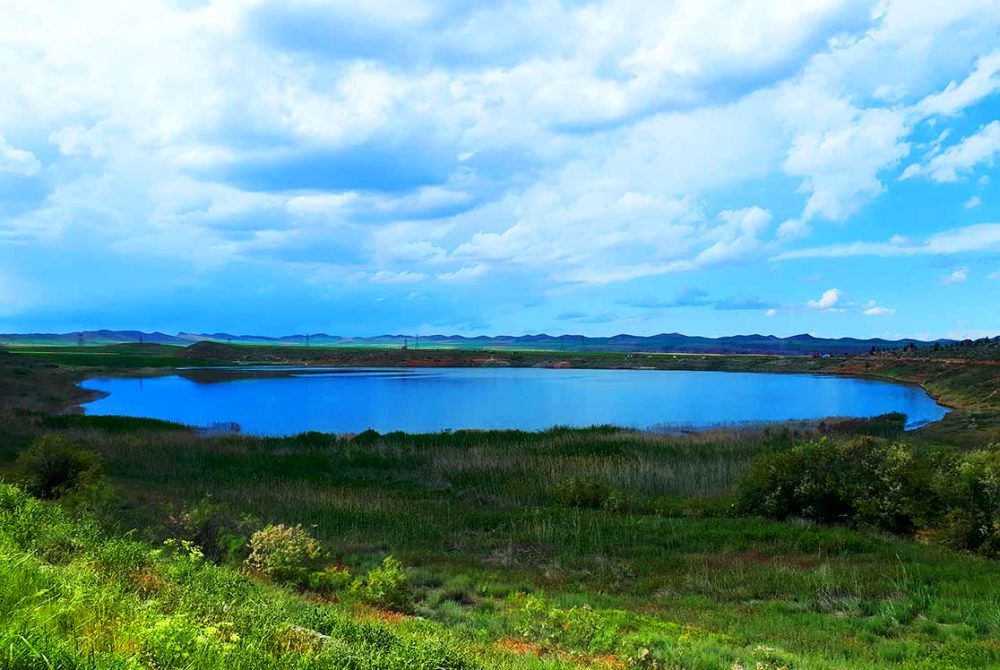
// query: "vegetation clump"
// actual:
[[862, 480], [865, 481], [386, 586], [220, 533], [53, 466], [968, 490], [285, 553], [587, 493]]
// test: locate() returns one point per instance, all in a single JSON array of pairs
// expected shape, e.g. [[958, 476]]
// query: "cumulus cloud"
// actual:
[[840, 165], [828, 302], [398, 143], [874, 309]]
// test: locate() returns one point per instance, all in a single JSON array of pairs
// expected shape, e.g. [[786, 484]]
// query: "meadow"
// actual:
[[567, 548]]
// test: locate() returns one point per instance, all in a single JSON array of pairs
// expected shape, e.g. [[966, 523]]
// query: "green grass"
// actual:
[[71, 597], [653, 565], [476, 519], [115, 356]]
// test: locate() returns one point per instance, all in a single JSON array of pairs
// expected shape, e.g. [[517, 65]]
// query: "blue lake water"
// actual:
[[292, 400]]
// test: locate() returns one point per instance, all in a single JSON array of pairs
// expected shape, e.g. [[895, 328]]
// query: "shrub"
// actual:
[[53, 465], [222, 534], [969, 493], [864, 480], [386, 586], [330, 580], [583, 492], [949, 498], [285, 553]]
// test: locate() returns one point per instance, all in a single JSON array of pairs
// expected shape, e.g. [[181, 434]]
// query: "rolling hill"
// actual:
[[665, 342]]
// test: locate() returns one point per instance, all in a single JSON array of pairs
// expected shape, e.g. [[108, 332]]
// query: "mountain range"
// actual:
[[665, 342]]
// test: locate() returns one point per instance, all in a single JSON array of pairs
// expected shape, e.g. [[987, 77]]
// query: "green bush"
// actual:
[[969, 493], [865, 481], [330, 580], [285, 553], [949, 498], [386, 586], [222, 534], [53, 465], [583, 492]]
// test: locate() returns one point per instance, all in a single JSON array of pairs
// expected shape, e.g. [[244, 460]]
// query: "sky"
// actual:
[[711, 167]]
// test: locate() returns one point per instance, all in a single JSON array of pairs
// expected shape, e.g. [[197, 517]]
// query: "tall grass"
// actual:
[[478, 519]]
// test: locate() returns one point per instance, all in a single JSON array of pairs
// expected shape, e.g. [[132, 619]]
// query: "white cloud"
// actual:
[[982, 82], [959, 276], [392, 277], [873, 309], [828, 302], [770, 312], [975, 149], [574, 142], [840, 164], [981, 237], [465, 274], [974, 201], [17, 160], [793, 229]]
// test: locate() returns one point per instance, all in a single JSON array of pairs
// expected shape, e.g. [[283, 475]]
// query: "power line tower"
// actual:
[[79, 339]]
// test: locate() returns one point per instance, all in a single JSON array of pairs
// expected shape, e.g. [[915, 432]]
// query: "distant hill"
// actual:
[[90, 338], [803, 345]]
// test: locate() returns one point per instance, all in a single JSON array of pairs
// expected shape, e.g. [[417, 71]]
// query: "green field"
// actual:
[[597, 548]]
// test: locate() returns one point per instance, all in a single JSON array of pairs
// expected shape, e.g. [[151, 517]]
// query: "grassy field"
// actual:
[[567, 548]]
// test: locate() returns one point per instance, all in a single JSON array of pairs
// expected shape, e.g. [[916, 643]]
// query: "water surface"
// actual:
[[284, 401]]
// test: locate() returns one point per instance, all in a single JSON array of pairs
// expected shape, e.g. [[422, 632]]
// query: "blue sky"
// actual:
[[704, 166]]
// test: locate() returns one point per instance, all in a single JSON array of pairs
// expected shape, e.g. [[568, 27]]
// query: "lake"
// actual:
[[284, 401]]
